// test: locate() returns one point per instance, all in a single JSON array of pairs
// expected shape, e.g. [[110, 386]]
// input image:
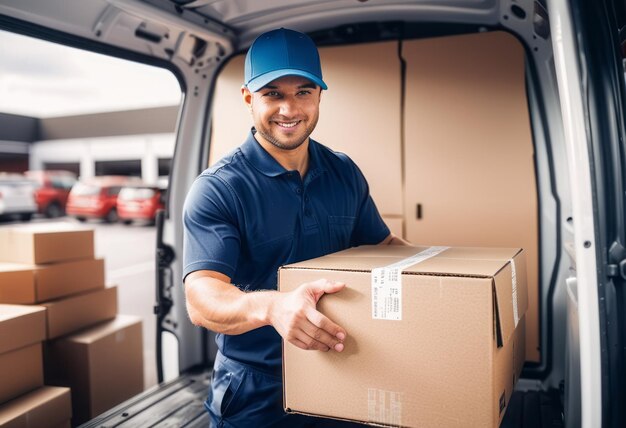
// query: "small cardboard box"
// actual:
[[21, 371], [103, 365], [49, 406], [21, 326], [28, 284], [45, 243], [17, 283], [73, 313], [435, 336]]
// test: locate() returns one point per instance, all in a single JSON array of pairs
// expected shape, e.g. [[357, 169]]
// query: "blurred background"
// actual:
[[87, 138]]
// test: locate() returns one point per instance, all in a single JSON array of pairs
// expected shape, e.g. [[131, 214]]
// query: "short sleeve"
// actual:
[[211, 238], [370, 229]]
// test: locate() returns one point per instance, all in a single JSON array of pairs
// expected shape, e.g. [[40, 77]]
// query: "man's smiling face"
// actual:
[[285, 111]]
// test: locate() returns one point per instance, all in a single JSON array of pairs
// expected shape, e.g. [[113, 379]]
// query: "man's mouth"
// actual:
[[288, 124]]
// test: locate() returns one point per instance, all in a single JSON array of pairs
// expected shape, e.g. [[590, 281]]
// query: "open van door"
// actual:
[[590, 74]]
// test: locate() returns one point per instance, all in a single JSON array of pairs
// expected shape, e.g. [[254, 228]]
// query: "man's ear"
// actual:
[[247, 97]]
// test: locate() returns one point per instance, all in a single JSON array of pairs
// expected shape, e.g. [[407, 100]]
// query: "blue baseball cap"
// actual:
[[279, 53]]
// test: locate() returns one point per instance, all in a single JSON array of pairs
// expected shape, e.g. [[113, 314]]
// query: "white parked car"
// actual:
[[17, 197]]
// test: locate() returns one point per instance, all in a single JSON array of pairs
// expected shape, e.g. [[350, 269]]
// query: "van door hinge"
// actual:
[[617, 270]]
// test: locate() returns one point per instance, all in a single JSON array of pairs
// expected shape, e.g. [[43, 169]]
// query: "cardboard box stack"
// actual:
[[87, 346], [435, 336], [24, 400]]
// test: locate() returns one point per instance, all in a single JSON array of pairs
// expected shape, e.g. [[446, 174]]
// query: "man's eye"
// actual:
[[272, 94], [304, 92]]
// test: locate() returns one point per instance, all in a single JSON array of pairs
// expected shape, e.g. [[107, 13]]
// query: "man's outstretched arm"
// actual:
[[214, 303]]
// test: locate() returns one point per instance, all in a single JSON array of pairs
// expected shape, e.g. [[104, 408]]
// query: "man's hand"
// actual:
[[295, 317]]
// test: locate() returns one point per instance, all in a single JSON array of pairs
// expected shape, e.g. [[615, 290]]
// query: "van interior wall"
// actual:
[[463, 152]]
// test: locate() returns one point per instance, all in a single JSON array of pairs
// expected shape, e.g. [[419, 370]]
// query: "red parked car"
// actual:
[[140, 203], [97, 198], [53, 188]]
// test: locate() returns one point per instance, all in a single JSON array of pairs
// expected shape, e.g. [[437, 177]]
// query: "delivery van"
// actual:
[[478, 124]]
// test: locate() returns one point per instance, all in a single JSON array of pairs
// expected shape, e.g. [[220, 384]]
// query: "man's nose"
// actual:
[[288, 106]]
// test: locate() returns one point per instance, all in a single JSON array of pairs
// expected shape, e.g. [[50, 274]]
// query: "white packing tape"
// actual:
[[387, 285], [514, 292]]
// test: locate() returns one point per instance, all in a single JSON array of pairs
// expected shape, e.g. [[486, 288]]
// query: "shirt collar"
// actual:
[[266, 164]]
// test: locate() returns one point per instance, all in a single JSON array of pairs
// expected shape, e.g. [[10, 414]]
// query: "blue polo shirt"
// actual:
[[247, 215]]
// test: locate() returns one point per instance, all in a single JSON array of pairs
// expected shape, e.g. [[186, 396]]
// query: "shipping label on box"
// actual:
[[434, 336]]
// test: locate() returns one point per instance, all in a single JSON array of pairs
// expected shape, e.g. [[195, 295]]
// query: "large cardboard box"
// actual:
[[28, 284], [21, 371], [48, 406], [45, 243], [70, 314], [21, 326], [102, 365], [435, 336]]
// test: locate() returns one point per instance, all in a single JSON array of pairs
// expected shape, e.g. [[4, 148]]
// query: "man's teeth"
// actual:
[[287, 124]]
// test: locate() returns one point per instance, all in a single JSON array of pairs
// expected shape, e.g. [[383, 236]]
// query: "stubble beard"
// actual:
[[272, 139]]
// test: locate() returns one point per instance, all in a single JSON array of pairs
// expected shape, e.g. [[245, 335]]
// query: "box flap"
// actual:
[[511, 297], [480, 262]]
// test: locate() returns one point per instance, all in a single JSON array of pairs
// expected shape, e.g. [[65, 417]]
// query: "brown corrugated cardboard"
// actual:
[[27, 284], [49, 406], [395, 225], [45, 243], [452, 357], [17, 283], [64, 279], [21, 371], [343, 126], [70, 314], [470, 163], [21, 326], [103, 365]]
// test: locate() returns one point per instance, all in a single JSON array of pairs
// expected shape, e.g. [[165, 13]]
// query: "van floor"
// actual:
[[527, 409], [180, 403]]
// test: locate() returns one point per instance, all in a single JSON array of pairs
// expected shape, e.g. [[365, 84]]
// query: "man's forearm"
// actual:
[[215, 304], [224, 308]]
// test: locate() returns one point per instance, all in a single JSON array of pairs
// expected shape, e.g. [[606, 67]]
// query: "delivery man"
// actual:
[[279, 198]]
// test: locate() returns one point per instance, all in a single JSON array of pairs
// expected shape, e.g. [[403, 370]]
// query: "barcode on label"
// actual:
[[387, 285], [386, 294]]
